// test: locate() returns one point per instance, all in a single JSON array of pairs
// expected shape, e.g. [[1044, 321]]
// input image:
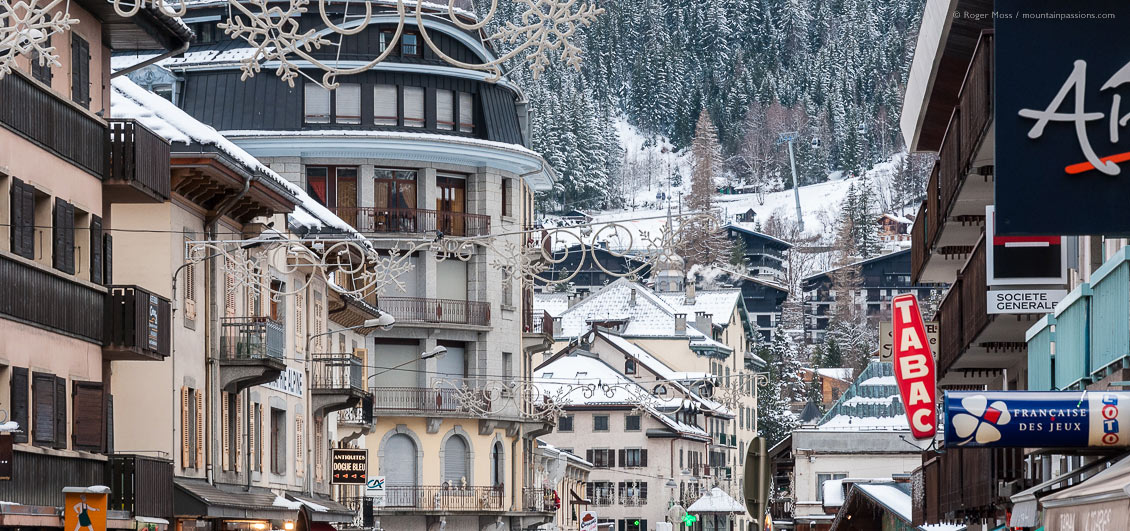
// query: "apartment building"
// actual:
[[63, 317], [567, 475]]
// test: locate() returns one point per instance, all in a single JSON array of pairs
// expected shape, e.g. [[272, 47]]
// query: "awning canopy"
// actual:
[[199, 499], [319, 509], [1026, 503], [716, 501], [1101, 497]]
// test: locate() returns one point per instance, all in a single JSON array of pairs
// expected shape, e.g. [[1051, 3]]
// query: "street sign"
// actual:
[[588, 521], [757, 477], [914, 367], [375, 489], [887, 339], [1024, 300], [1037, 419], [349, 466]]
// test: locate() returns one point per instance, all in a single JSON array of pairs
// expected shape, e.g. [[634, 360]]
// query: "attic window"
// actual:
[[547, 375], [629, 366]]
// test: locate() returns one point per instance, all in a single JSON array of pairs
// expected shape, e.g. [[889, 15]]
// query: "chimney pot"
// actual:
[[690, 293], [680, 323]]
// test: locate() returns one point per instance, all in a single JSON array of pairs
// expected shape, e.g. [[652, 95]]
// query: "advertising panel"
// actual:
[[914, 367], [349, 466], [1061, 136], [1037, 419]]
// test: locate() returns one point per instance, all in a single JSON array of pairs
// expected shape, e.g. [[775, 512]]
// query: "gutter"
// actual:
[[152, 60]]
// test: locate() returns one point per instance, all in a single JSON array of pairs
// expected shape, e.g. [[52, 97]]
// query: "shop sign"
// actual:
[[1037, 419], [887, 340], [84, 509], [375, 489], [914, 367], [349, 466], [289, 381], [1062, 140], [588, 521], [153, 328], [1022, 260], [1024, 300]]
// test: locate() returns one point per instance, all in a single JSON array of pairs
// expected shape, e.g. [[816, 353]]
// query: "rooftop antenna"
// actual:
[[789, 138]]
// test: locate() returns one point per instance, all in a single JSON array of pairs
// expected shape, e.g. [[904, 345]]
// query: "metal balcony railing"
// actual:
[[340, 372], [251, 338], [444, 498], [603, 500], [440, 311], [537, 322], [414, 221], [422, 399], [539, 499], [361, 414]]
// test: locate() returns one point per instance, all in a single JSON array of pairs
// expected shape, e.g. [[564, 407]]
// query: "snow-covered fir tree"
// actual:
[[782, 387]]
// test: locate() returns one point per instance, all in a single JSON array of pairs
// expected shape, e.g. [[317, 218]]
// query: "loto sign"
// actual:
[[914, 367]]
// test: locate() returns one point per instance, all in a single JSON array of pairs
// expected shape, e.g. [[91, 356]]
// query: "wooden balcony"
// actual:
[[443, 498], [137, 169], [38, 479], [414, 221], [53, 123], [966, 484], [336, 381], [141, 485], [436, 311], [138, 325], [45, 299], [961, 184], [251, 351]]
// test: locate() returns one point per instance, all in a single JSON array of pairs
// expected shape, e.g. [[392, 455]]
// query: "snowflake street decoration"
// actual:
[[26, 27], [274, 34], [547, 26]]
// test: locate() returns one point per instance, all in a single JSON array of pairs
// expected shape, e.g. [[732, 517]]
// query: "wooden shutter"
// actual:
[[22, 219], [80, 70], [259, 434], [88, 416], [229, 288], [108, 259], [60, 413], [318, 450], [588, 456], [19, 403], [299, 339], [299, 457], [43, 412], [185, 431], [620, 458], [96, 249], [59, 235], [199, 463], [238, 433], [253, 435], [225, 418], [41, 70]]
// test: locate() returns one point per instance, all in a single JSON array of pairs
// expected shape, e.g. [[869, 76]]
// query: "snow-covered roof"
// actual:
[[833, 492], [887, 256], [897, 219], [838, 373], [649, 316], [128, 100], [871, 402], [568, 371], [718, 303], [568, 455], [893, 496], [665, 372], [738, 227], [880, 380], [716, 501], [553, 303]]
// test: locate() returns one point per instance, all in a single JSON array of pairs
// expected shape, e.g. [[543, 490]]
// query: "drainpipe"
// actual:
[[514, 473], [211, 332], [183, 48]]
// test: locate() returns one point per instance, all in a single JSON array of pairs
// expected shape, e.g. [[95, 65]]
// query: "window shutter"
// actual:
[[348, 109], [445, 110], [69, 238], [384, 105], [58, 235], [253, 435], [318, 449], [588, 487], [43, 395], [225, 433], [88, 416], [199, 463], [185, 433], [622, 524], [80, 70], [108, 259], [643, 458], [299, 338], [96, 249], [19, 403], [588, 456], [466, 113], [455, 461], [23, 219], [299, 462], [259, 433], [413, 107], [238, 433], [317, 104], [229, 288], [620, 458], [41, 70]]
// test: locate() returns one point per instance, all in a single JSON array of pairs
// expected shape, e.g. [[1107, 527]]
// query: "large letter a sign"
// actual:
[[914, 367]]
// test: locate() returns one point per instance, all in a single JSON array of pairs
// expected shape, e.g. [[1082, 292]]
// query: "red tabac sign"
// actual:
[[914, 367]]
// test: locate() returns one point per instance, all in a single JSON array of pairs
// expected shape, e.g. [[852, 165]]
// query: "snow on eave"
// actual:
[[758, 234], [853, 264]]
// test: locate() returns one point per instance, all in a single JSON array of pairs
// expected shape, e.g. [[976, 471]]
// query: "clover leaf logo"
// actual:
[[980, 421]]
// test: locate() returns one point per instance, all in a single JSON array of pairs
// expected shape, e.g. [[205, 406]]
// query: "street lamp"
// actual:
[[384, 321]]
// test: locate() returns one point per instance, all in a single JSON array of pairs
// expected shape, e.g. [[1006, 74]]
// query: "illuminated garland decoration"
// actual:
[[546, 28]]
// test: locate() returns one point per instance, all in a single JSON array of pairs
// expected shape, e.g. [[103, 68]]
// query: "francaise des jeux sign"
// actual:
[[1037, 419], [1061, 100]]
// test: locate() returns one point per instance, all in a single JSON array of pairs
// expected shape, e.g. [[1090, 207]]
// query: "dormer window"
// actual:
[[629, 366], [409, 47]]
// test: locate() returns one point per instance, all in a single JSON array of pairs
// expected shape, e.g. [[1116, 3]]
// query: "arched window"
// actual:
[[455, 461], [497, 465], [400, 470]]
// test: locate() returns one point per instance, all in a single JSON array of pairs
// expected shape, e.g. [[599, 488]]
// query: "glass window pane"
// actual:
[[316, 182], [408, 44]]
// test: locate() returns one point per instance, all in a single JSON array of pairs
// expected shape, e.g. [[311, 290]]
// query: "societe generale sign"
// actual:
[[914, 367]]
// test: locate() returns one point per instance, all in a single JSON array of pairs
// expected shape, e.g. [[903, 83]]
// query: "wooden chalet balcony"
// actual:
[[141, 485], [436, 311], [965, 483], [443, 498], [537, 323], [38, 479], [961, 183], [42, 298], [336, 381], [414, 221], [781, 509], [137, 169], [138, 325], [53, 123], [251, 351]]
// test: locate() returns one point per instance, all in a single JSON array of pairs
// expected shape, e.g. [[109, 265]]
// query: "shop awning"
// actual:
[[1026, 503], [319, 509], [1100, 498], [198, 499]]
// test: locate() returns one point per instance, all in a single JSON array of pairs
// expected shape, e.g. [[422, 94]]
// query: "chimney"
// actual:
[[555, 326], [703, 322], [632, 298], [680, 324], [573, 298], [690, 293]]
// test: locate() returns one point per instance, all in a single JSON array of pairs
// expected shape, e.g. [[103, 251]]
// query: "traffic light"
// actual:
[[757, 479]]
